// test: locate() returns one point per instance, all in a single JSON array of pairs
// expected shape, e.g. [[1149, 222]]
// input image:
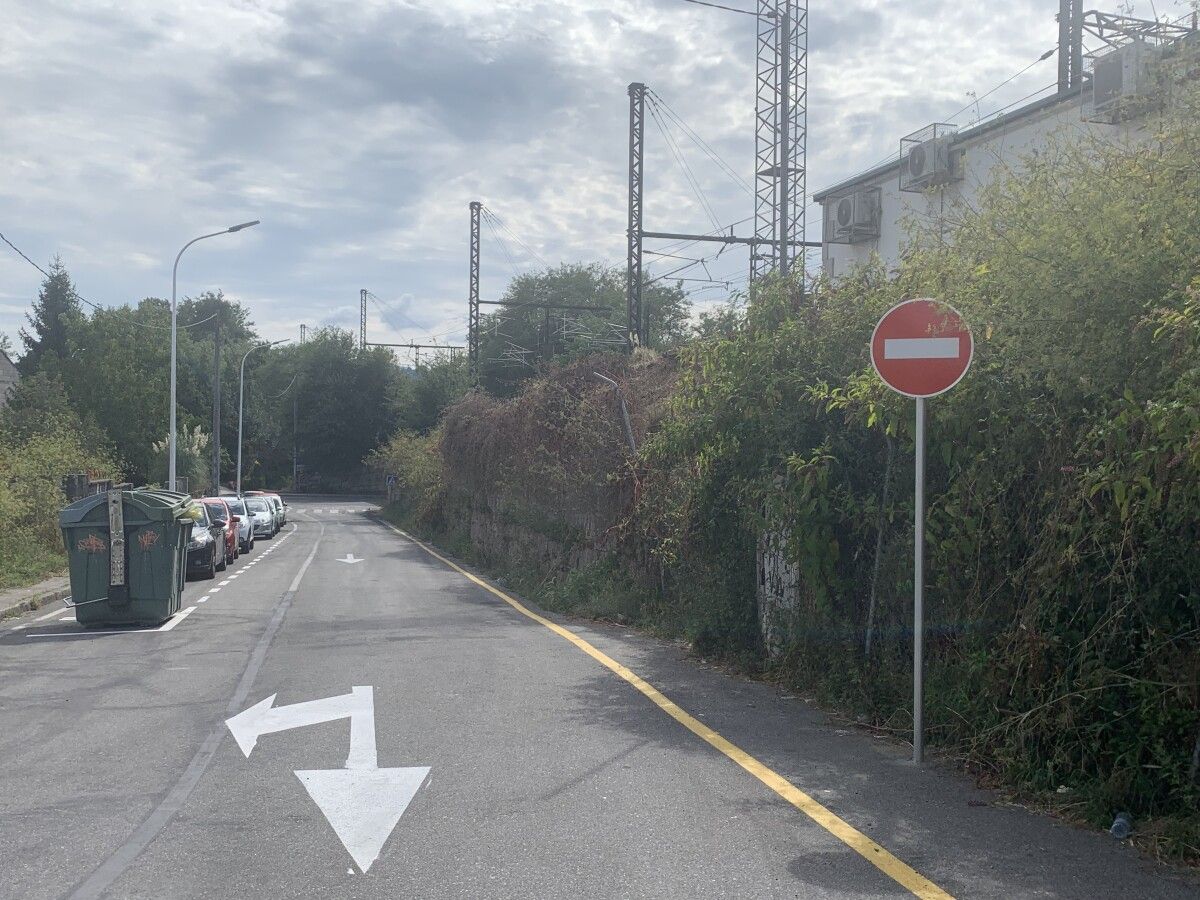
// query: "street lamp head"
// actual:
[[234, 228]]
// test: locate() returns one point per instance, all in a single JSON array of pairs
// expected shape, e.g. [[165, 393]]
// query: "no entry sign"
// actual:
[[921, 348]]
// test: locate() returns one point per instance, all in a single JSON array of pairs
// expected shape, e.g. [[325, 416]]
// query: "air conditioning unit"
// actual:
[[928, 158], [1123, 83], [854, 217]]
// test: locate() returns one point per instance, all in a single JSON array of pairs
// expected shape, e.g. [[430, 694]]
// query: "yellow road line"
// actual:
[[896, 869]]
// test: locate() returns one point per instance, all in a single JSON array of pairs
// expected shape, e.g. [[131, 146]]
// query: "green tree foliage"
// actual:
[[191, 459], [421, 394], [1064, 610], [518, 340], [41, 440], [55, 312]]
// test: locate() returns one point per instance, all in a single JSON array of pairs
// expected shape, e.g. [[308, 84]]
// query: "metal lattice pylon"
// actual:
[[473, 297], [362, 319], [780, 135], [633, 271]]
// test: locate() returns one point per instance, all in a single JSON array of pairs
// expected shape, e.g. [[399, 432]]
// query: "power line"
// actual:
[[1045, 56], [96, 306], [515, 237], [712, 154], [893, 156], [682, 163], [744, 12], [503, 246]]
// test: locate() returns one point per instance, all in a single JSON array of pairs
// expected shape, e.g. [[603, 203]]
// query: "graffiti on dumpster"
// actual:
[[147, 539], [92, 544]]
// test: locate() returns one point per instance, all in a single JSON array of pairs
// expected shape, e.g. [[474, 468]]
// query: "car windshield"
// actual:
[[215, 511], [237, 507], [257, 506]]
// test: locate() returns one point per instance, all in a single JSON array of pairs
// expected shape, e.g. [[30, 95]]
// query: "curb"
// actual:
[[29, 604]]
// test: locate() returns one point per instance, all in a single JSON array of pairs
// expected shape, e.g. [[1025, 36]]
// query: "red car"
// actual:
[[219, 509]]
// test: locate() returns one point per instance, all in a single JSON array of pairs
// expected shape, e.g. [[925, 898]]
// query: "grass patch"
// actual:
[[24, 562]]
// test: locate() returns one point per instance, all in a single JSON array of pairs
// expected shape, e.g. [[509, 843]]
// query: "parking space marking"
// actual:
[[171, 623]]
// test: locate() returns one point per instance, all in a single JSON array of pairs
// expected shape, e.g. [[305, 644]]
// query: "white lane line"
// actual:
[[223, 583], [41, 618], [67, 619], [203, 600], [167, 626], [214, 590], [85, 633]]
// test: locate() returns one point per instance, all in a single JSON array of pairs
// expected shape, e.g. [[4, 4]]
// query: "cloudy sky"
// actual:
[[359, 132]]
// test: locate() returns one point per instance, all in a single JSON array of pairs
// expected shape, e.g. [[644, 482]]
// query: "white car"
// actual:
[[245, 525], [262, 513]]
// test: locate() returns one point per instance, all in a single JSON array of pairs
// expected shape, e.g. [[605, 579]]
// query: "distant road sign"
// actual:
[[921, 348]]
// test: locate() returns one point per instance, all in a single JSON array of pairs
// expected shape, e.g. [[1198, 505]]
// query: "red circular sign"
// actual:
[[921, 348]]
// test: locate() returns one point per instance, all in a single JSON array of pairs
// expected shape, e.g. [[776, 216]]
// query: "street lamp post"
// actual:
[[241, 399], [174, 334]]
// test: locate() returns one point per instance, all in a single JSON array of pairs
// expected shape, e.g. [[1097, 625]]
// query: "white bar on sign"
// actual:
[[921, 348]]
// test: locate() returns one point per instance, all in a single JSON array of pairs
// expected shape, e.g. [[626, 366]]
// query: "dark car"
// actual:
[[219, 512], [206, 545]]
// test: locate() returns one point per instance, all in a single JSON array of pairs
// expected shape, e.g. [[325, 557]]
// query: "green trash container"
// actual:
[[135, 576]]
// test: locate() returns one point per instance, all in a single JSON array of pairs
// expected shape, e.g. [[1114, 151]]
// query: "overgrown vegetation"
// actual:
[[40, 439], [1064, 479]]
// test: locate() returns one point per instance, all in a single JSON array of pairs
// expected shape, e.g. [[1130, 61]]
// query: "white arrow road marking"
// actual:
[[361, 802], [921, 348], [350, 559], [363, 805]]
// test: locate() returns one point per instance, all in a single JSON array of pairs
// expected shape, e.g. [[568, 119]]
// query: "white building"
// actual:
[[941, 166], [8, 377]]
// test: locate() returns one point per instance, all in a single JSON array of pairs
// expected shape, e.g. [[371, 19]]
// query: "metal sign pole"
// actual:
[[919, 591]]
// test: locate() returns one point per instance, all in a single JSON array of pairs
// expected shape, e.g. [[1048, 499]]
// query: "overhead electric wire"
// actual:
[[512, 264], [97, 306], [891, 157], [744, 12], [686, 169], [704, 146], [1045, 56], [515, 237]]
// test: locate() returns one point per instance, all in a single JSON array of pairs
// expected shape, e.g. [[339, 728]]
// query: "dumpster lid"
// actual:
[[163, 506]]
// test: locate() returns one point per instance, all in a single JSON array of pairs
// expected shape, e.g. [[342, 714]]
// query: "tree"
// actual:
[[55, 312], [520, 338], [420, 396], [38, 404]]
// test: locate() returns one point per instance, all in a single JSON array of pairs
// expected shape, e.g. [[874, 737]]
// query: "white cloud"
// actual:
[[359, 131]]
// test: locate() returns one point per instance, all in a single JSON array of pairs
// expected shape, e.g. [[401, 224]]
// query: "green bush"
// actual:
[[1063, 586], [35, 454]]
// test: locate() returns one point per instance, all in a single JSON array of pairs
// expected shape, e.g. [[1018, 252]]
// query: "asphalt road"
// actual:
[[412, 733]]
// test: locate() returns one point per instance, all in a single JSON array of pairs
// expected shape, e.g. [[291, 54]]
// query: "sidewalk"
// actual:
[[15, 601]]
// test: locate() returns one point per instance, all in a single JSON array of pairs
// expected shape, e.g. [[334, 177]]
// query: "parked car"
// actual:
[[279, 508], [206, 546], [263, 515], [221, 514], [245, 523]]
